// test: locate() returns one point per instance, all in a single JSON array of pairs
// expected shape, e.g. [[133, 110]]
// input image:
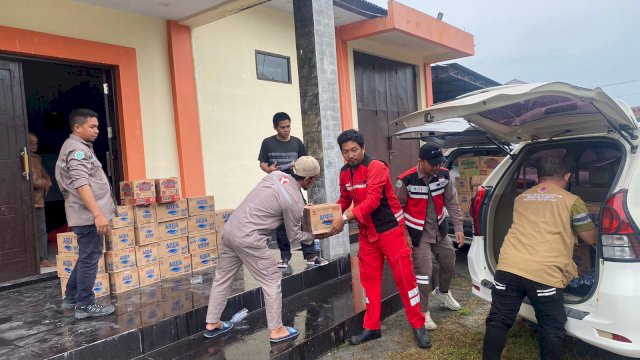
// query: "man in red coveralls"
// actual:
[[365, 182]]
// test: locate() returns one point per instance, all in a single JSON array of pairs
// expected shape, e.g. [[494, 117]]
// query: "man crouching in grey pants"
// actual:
[[276, 198]]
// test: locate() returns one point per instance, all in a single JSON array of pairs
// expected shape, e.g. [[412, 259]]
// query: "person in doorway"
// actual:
[[277, 198], [424, 191], [89, 207], [41, 186], [279, 152], [365, 184], [536, 260]]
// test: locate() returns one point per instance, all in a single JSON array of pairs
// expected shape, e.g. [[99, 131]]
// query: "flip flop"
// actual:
[[226, 326], [293, 333]]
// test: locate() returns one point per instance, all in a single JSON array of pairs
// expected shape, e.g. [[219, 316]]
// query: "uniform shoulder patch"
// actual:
[[79, 155], [399, 183]]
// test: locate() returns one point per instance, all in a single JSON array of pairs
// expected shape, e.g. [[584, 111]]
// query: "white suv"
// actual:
[[598, 136]]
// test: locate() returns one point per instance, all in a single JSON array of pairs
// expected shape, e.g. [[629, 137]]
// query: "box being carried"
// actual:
[[167, 190], [67, 243], [201, 223], [173, 210], [138, 192], [317, 219], [145, 214], [175, 266], [100, 286], [125, 280], [123, 238], [201, 205], [119, 260]]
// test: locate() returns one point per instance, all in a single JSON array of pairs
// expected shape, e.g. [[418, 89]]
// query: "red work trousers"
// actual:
[[393, 246]]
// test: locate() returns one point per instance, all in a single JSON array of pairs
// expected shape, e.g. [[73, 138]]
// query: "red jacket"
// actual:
[[369, 187]]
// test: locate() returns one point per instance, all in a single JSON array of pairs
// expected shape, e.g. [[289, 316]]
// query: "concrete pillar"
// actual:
[[320, 104]]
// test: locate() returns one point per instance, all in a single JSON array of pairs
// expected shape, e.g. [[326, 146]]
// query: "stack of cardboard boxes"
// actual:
[[202, 243], [66, 260], [473, 172]]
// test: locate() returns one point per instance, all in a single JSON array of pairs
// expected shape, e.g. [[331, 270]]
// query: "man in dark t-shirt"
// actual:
[[279, 152]]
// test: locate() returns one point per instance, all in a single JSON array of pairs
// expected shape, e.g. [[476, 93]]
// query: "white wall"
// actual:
[[147, 35], [235, 107]]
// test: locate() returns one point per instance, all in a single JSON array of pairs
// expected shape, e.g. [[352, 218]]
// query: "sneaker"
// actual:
[[429, 324], [283, 264], [318, 261], [83, 312], [68, 303], [447, 299]]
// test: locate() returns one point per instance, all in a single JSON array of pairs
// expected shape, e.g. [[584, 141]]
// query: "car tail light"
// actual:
[[474, 208], [619, 234]]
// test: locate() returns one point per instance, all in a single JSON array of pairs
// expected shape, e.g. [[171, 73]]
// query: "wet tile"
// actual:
[[123, 346], [292, 285], [159, 334]]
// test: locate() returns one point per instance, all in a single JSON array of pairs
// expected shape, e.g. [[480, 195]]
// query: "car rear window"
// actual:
[[538, 108]]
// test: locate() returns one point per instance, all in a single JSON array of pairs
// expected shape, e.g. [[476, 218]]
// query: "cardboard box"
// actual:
[[468, 166], [119, 260], [146, 254], [150, 294], [222, 216], [149, 274], [582, 258], [125, 280], [138, 192], [462, 184], [489, 163], [464, 199], [317, 219], [477, 181], [204, 259], [175, 266], [145, 214], [66, 262], [146, 234], [173, 247], [118, 239], [201, 223], [176, 306], [67, 243], [100, 286], [172, 229], [202, 242], [124, 218], [167, 189], [201, 205], [172, 210]]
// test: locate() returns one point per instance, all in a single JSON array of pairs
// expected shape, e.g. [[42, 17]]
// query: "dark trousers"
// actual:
[[548, 302], [41, 223], [308, 251], [83, 276]]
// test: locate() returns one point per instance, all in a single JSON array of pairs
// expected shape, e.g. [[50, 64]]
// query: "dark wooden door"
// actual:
[[17, 224], [385, 91]]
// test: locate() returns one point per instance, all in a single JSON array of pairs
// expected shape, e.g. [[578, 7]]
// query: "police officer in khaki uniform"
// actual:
[[276, 199], [89, 207], [536, 260]]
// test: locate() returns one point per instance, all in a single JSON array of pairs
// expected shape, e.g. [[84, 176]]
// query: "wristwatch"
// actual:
[[344, 218]]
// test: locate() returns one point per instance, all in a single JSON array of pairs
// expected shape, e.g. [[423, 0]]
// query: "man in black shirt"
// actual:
[[279, 152]]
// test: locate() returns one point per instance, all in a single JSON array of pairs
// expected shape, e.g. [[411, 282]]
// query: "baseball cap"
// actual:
[[432, 154], [306, 166]]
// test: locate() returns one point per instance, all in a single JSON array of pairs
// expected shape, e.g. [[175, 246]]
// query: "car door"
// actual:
[[529, 112]]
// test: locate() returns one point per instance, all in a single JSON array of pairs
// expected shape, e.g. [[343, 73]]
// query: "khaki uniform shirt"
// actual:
[[41, 180], [539, 244], [77, 166], [430, 231], [275, 199]]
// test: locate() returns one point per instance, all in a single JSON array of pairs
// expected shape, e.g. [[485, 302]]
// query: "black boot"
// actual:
[[422, 337], [365, 336]]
